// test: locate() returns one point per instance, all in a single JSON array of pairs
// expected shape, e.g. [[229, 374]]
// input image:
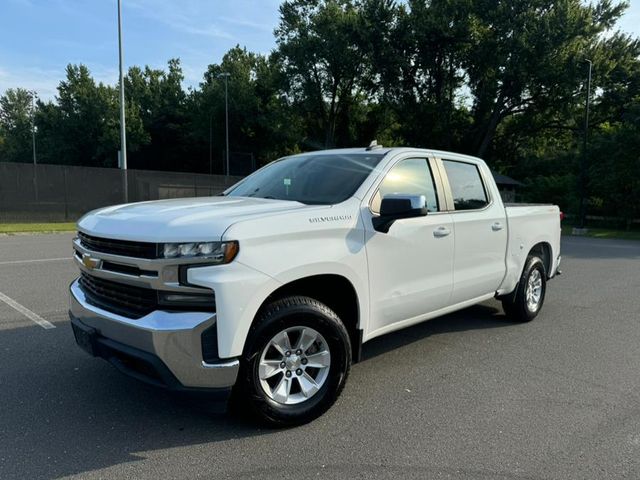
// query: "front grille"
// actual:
[[125, 300], [119, 247], [136, 302]]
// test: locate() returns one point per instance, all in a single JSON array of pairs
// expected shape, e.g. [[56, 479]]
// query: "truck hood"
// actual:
[[179, 220]]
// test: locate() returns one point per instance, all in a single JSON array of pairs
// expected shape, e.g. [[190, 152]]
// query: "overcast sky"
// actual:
[[38, 38]]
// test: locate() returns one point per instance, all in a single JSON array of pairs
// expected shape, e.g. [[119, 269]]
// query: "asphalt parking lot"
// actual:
[[468, 396]]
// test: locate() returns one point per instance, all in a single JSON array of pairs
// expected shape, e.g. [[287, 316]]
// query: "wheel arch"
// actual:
[[335, 291], [545, 252]]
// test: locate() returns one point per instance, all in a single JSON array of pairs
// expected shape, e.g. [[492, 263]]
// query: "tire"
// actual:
[[524, 304], [318, 370]]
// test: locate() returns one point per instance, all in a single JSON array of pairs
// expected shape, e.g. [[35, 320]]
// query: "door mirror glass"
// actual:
[[397, 206]]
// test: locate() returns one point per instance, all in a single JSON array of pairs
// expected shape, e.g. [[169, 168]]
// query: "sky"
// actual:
[[38, 38]]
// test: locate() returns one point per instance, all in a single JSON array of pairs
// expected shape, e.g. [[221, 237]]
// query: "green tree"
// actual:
[[261, 122], [320, 48], [159, 100], [82, 126], [16, 117], [526, 55], [615, 170]]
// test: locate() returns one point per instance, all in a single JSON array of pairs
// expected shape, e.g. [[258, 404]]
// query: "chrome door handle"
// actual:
[[496, 227], [441, 232]]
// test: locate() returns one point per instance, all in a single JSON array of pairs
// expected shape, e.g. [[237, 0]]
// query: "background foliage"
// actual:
[[504, 80]]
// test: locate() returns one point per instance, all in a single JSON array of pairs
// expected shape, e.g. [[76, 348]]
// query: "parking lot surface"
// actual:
[[467, 396]]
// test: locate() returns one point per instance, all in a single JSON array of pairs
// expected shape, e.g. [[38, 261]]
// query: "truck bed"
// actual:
[[530, 224]]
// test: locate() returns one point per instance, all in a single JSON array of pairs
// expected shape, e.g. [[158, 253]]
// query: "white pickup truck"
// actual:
[[269, 290]]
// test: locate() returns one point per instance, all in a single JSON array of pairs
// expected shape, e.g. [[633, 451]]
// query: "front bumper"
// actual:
[[162, 348]]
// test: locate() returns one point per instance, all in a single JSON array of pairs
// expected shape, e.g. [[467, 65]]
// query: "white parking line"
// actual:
[[37, 260], [26, 312]]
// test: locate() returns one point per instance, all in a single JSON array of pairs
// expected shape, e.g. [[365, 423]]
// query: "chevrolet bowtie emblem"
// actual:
[[90, 262]]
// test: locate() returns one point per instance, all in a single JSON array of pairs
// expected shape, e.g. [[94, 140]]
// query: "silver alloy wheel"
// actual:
[[533, 291], [294, 365]]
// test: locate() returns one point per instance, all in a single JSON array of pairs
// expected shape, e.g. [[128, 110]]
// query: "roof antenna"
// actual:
[[373, 146]]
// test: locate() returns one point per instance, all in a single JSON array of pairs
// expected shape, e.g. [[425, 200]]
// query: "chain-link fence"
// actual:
[[51, 193]]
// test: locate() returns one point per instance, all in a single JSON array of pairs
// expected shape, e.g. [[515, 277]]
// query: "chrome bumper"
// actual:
[[174, 338]]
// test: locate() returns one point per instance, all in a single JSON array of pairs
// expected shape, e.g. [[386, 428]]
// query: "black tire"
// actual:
[[515, 305], [283, 314]]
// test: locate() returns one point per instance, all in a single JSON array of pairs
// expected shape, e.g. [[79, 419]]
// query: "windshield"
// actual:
[[311, 179]]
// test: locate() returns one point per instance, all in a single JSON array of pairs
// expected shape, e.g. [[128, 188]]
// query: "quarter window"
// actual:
[[412, 177], [466, 185]]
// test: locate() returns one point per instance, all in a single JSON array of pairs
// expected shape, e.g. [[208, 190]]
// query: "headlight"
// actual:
[[217, 252]]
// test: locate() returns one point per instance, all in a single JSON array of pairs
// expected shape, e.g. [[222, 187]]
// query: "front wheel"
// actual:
[[295, 363], [525, 303]]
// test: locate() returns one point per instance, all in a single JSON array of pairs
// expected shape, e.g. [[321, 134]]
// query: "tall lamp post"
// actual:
[[585, 146], [226, 76], [33, 143], [123, 129], [33, 125], [210, 143]]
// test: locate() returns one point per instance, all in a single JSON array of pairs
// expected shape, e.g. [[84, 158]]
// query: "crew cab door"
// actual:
[[480, 226], [410, 266]]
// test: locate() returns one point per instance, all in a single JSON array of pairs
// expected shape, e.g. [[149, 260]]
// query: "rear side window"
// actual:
[[412, 177], [466, 185]]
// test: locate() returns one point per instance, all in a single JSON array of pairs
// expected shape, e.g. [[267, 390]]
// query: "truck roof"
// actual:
[[386, 150]]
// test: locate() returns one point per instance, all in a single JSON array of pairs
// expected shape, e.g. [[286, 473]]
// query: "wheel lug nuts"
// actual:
[[304, 361], [299, 371], [282, 365], [287, 353], [288, 374], [298, 352]]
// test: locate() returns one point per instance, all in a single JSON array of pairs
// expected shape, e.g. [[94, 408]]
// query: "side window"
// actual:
[[466, 185], [411, 176]]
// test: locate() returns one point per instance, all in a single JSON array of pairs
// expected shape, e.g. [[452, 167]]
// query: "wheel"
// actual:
[[296, 362], [526, 301]]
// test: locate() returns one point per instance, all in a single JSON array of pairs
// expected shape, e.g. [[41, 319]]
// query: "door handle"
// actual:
[[496, 227], [441, 232]]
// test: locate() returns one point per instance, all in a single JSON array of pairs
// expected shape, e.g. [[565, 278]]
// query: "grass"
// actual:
[[36, 227], [606, 233]]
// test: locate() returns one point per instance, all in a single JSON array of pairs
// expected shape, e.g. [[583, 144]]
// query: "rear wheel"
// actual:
[[525, 302], [295, 363]]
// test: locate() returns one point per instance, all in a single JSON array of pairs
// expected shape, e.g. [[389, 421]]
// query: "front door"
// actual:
[[411, 266]]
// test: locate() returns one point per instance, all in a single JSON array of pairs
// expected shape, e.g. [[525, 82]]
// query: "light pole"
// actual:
[[226, 76], [123, 129], [33, 125], [33, 143], [583, 163], [210, 143]]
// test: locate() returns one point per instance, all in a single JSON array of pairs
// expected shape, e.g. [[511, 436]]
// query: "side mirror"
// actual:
[[397, 206]]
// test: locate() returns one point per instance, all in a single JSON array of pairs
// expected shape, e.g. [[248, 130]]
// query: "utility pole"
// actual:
[[585, 153], [226, 76], [123, 129]]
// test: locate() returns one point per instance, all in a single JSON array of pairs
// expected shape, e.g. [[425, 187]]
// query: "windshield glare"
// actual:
[[311, 179]]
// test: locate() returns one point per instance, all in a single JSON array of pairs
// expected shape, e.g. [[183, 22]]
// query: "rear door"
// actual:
[[480, 227]]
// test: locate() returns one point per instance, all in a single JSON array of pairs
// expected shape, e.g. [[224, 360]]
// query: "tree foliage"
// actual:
[[504, 80]]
